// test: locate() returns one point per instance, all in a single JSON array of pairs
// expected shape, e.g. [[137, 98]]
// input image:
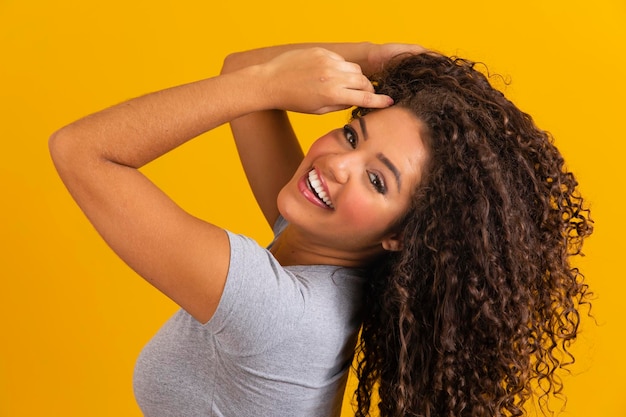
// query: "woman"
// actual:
[[448, 212]]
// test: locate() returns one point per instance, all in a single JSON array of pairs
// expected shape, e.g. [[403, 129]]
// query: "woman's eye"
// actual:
[[377, 182], [350, 135]]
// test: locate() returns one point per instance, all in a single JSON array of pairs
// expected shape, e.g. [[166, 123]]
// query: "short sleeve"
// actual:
[[261, 303]]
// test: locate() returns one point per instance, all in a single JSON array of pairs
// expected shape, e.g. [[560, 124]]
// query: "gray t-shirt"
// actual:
[[279, 344]]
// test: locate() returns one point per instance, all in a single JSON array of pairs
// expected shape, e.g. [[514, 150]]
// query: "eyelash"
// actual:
[[377, 183], [350, 135], [375, 179]]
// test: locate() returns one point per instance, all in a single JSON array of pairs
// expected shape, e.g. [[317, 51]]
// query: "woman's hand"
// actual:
[[316, 80]]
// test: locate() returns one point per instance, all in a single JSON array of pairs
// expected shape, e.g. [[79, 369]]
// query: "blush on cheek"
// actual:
[[325, 144], [361, 215], [365, 218]]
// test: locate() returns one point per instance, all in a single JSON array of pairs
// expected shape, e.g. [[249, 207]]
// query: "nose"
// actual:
[[340, 166]]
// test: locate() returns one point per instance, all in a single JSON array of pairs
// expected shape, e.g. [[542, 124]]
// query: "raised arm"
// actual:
[[267, 145], [98, 159]]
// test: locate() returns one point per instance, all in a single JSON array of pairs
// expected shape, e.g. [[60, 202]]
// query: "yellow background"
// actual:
[[73, 318]]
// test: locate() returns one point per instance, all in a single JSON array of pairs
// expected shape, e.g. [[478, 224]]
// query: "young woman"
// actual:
[[439, 215]]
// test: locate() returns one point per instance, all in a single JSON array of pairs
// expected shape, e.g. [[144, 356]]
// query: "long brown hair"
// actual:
[[481, 305]]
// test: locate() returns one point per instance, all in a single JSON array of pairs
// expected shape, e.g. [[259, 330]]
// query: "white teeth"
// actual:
[[316, 186]]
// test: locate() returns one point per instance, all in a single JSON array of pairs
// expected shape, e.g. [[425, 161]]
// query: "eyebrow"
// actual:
[[391, 167], [363, 128]]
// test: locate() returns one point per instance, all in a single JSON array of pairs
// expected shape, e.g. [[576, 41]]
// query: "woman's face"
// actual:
[[356, 182]]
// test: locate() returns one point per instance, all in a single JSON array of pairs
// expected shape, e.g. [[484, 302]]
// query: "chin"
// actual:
[[283, 205]]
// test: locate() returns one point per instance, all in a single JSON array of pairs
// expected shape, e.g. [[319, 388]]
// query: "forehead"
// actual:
[[398, 135]]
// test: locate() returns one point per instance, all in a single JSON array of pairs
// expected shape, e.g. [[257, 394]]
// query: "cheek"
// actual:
[[366, 215], [372, 216], [325, 144]]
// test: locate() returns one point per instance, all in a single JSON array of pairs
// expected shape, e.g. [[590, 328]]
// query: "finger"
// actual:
[[366, 99], [329, 109], [359, 82], [342, 64], [349, 67]]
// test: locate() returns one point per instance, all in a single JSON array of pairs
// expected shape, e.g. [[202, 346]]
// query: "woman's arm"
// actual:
[[267, 145], [98, 159]]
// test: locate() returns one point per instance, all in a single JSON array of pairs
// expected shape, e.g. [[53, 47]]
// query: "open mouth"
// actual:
[[315, 185]]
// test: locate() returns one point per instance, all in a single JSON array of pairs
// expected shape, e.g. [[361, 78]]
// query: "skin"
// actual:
[[98, 157]]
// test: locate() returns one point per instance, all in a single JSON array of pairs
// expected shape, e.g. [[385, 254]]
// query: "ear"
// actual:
[[393, 243]]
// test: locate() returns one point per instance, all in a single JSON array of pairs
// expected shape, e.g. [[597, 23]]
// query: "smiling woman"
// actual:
[[433, 222], [355, 174]]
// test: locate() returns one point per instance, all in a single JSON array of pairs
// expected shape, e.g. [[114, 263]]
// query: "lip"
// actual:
[[304, 189]]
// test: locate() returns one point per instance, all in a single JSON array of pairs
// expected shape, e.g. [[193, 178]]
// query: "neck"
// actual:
[[290, 249]]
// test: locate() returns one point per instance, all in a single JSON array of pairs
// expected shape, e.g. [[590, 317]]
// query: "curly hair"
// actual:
[[480, 307]]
